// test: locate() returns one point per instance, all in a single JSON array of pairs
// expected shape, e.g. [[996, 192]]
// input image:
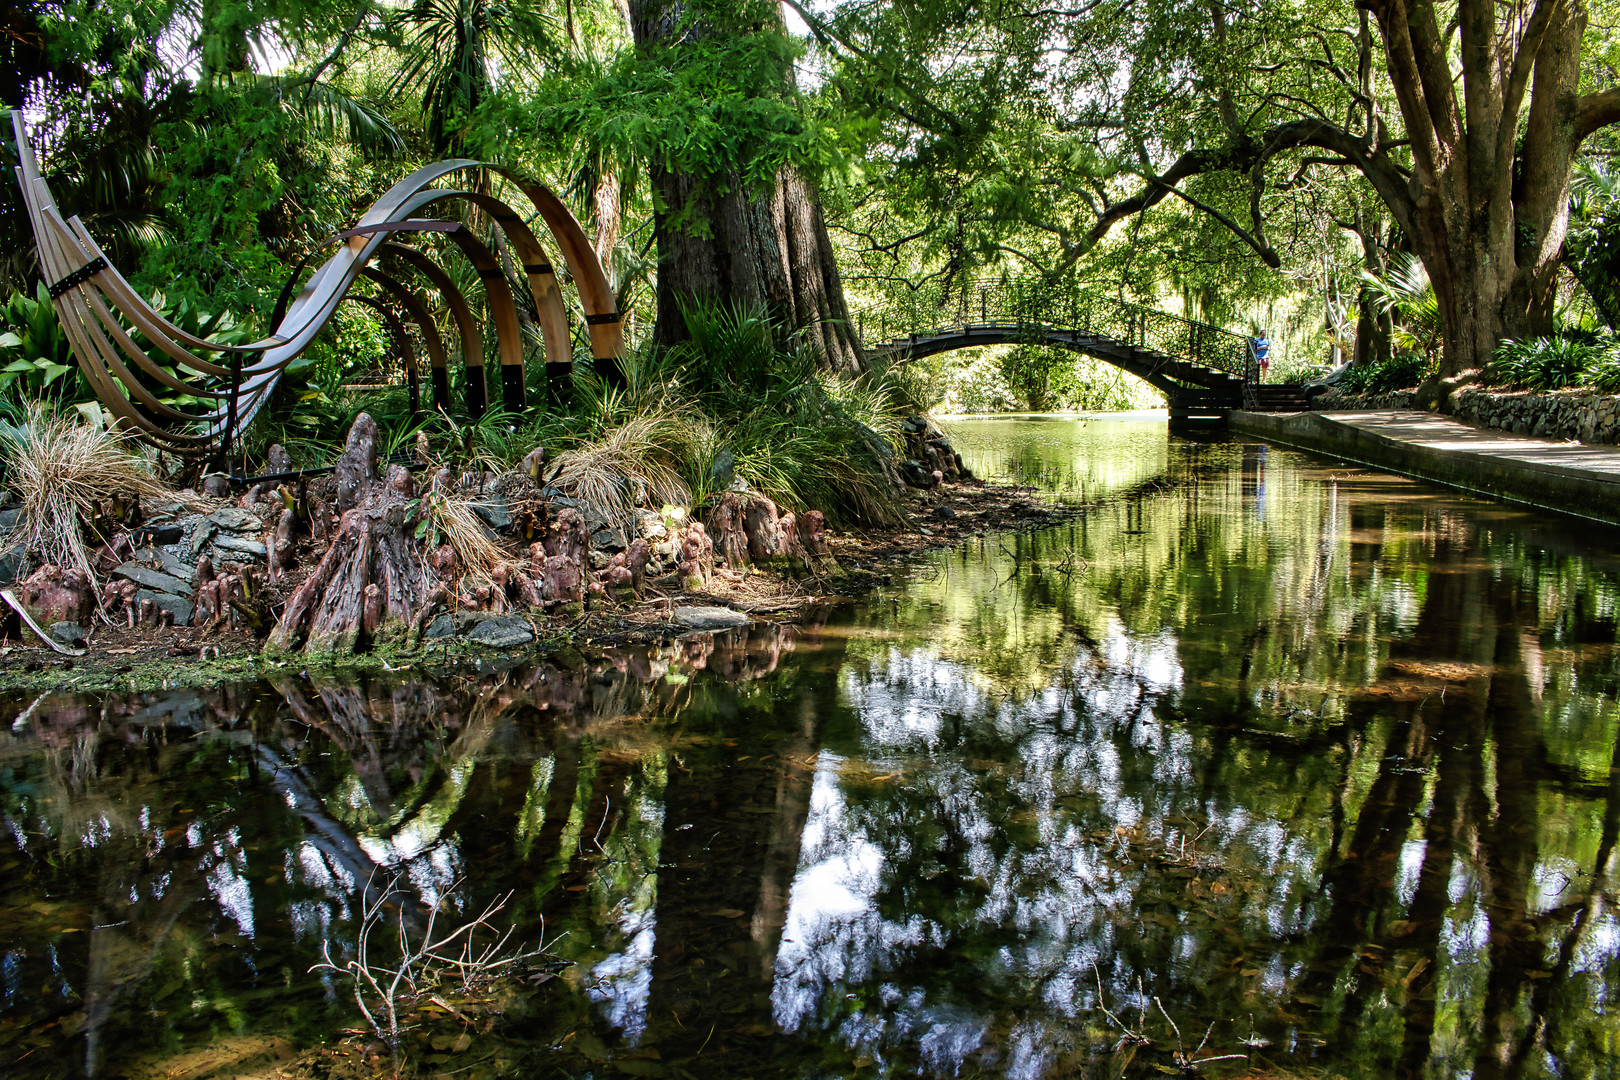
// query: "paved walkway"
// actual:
[[1563, 476], [1443, 433]]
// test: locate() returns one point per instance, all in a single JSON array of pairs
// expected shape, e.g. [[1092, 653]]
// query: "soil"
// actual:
[[145, 658]]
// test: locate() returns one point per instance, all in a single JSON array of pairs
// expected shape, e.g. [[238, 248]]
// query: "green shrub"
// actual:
[[1546, 363], [1603, 371], [1400, 372]]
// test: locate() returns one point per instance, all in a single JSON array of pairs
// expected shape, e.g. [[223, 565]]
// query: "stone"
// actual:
[[442, 626], [9, 518], [501, 632], [175, 566], [68, 633], [217, 485], [236, 545], [180, 608], [172, 564], [944, 513], [699, 617], [609, 538], [201, 530], [916, 474], [236, 519], [495, 511], [12, 561], [148, 578], [159, 535], [723, 470]]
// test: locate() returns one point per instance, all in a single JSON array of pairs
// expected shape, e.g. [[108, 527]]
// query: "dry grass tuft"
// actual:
[[63, 469], [630, 463], [451, 520]]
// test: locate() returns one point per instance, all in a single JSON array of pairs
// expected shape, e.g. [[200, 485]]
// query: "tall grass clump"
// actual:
[[806, 438], [632, 458], [67, 473]]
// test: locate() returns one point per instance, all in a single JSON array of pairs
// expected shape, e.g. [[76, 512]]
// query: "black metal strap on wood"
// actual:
[[409, 225], [79, 276], [603, 319], [538, 268]]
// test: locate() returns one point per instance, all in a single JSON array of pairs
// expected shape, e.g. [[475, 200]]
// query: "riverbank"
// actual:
[[1564, 477], [147, 658]]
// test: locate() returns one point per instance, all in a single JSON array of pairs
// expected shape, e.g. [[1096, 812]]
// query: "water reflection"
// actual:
[[1317, 761]]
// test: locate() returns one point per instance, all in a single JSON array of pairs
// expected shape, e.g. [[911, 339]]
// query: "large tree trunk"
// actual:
[[1484, 197], [1487, 210], [766, 250], [1375, 328]]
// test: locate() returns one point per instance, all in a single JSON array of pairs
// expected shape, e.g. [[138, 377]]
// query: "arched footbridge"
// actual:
[[1204, 371]]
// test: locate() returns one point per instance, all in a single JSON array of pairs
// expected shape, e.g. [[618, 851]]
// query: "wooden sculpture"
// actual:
[[86, 288]]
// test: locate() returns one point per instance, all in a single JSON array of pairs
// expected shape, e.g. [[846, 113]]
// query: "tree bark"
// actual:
[[763, 250]]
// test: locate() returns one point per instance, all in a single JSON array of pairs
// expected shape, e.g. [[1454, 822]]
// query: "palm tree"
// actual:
[[458, 50]]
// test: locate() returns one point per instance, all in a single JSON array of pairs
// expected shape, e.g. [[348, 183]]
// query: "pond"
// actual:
[[1263, 766]]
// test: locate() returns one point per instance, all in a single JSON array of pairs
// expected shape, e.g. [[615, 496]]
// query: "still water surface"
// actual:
[[1315, 760]]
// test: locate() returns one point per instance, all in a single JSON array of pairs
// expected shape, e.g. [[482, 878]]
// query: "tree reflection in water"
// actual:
[[1328, 752]]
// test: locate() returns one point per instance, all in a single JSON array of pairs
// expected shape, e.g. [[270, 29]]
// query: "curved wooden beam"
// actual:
[[89, 295]]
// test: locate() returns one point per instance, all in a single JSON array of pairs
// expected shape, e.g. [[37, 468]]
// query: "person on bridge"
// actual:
[[1262, 352]]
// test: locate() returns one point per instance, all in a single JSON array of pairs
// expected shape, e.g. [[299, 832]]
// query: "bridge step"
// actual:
[[1275, 397]]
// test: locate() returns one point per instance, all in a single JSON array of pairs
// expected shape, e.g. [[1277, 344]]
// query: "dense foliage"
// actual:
[[1233, 165]]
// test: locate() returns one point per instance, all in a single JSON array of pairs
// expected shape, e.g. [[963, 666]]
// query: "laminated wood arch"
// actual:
[[90, 295]]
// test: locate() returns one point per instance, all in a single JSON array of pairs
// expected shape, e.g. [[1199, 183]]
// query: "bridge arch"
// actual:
[[1199, 367]]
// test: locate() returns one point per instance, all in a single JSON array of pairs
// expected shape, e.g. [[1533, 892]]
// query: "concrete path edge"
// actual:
[[1581, 493]]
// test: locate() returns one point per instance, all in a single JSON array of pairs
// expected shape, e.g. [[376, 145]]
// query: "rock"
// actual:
[[9, 518], [159, 535], [609, 538], [944, 513], [443, 626], [200, 534], [236, 519], [501, 632], [69, 633], [148, 578], [494, 510], [916, 474], [709, 618], [217, 485], [235, 544], [599, 559], [172, 565], [723, 470], [12, 561], [176, 606]]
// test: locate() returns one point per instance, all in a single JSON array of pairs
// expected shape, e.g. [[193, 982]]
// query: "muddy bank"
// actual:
[[149, 656]]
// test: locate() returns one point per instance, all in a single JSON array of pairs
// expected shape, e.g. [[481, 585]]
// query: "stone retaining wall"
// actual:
[[1567, 414], [1333, 401], [1563, 414]]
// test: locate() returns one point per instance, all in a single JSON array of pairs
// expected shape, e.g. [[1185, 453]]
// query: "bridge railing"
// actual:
[[1039, 307]]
